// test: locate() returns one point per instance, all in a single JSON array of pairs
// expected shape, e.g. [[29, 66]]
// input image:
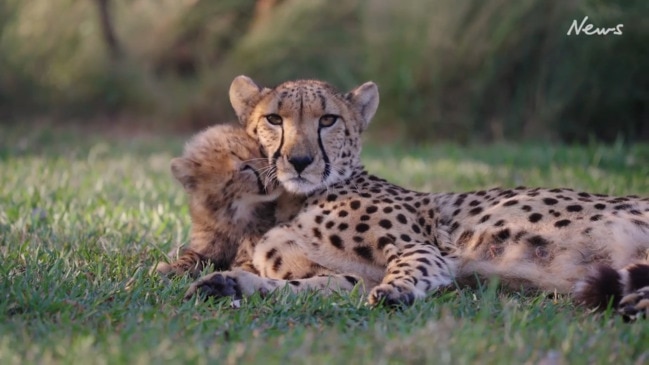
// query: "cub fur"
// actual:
[[232, 202]]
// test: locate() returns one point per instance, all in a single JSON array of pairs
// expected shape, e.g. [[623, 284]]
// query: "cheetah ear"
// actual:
[[244, 94], [365, 99], [184, 170]]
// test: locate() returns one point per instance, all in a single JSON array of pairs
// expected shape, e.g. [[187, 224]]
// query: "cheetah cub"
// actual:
[[231, 199], [405, 244]]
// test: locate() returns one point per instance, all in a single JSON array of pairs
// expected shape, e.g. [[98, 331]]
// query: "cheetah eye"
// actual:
[[274, 119], [328, 120], [246, 168]]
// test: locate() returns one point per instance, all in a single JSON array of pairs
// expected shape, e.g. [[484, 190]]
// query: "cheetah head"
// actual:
[[309, 131], [224, 175]]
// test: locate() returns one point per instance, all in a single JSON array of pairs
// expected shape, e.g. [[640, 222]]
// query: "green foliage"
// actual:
[[461, 70], [83, 218]]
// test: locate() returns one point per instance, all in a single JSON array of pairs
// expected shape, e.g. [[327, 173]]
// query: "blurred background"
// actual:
[[464, 71]]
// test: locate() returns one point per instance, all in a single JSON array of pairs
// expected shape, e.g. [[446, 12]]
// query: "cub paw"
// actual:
[[163, 269], [391, 296], [635, 305], [217, 285]]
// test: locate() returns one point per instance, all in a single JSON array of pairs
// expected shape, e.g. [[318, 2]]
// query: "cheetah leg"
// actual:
[[280, 255], [220, 254], [239, 283], [281, 262], [411, 273], [243, 259], [188, 261], [193, 261]]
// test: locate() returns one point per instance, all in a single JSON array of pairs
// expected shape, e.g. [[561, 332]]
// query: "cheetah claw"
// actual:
[[635, 305]]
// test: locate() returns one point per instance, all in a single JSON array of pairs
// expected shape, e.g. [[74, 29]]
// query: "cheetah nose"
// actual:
[[300, 162]]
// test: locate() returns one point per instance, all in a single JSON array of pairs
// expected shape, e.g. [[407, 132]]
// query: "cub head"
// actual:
[[231, 198], [225, 175], [309, 131]]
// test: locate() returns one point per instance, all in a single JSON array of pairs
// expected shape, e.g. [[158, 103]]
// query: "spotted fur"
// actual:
[[404, 244]]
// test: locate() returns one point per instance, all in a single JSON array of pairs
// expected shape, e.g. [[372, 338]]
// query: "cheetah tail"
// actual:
[[607, 286]]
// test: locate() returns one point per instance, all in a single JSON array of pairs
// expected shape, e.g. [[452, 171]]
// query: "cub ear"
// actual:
[[184, 170], [244, 94], [365, 99]]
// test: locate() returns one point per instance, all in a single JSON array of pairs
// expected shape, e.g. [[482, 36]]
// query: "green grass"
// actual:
[[83, 217]]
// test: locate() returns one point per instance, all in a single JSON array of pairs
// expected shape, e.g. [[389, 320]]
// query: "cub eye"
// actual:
[[274, 119], [246, 168], [328, 120]]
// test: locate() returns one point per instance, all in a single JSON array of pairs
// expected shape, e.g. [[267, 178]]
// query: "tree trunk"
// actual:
[[108, 31]]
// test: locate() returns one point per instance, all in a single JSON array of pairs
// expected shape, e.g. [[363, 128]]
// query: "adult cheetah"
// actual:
[[404, 244]]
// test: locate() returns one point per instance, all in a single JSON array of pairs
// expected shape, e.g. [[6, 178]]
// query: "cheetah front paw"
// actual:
[[391, 296], [635, 305], [217, 285]]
